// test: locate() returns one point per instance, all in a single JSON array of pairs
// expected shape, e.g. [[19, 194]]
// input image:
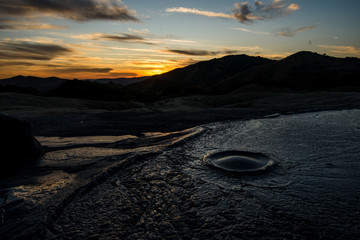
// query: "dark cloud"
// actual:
[[16, 63], [80, 10], [122, 37], [199, 52], [123, 74], [125, 37], [246, 13], [31, 51], [59, 68], [29, 26], [242, 12], [83, 70], [4, 26], [290, 32], [192, 52]]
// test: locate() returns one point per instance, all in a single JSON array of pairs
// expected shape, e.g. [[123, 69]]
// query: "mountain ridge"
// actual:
[[302, 71]]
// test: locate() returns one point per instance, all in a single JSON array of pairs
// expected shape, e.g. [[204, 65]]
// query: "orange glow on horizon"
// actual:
[[12, 71]]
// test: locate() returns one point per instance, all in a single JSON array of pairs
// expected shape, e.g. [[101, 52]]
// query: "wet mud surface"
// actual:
[[158, 185]]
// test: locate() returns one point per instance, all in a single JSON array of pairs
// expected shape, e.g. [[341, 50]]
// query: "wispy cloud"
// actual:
[[83, 10], [199, 12], [16, 63], [290, 32], [251, 31], [25, 26], [144, 31], [125, 37], [44, 67], [121, 37], [192, 52], [123, 74], [31, 50], [185, 62], [140, 37], [200, 52], [341, 49], [56, 68], [245, 13], [82, 70]]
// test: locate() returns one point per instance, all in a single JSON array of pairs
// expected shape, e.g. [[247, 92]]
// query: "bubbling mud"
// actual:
[[239, 161]]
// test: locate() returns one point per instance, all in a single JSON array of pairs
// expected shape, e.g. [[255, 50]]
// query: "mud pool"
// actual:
[[158, 185]]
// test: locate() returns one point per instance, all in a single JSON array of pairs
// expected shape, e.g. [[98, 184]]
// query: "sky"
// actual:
[[88, 39]]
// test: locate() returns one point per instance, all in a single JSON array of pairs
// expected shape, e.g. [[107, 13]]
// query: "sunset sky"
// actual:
[[133, 38]]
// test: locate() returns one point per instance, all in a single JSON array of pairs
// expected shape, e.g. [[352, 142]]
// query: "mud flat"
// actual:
[[158, 186]]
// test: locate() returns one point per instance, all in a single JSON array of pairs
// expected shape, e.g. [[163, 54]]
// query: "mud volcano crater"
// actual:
[[239, 161]]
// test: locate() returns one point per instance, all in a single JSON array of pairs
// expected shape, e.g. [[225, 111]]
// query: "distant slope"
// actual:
[[42, 85], [300, 71], [196, 78], [24, 102], [90, 90], [303, 71], [121, 81]]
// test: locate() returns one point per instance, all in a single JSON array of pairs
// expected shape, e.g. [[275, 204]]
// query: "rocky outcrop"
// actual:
[[18, 148]]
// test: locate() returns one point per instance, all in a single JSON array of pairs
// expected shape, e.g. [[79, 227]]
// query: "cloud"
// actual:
[[341, 49], [178, 41], [80, 10], [82, 70], [192, 52], [31, 50], [122, 37], [4, 26], [123, 74], [244, 13], [57, 68], [289, 32], [125, 37], [29, 26], [199, 12], [16, 63], [185, 62], [199, 52], [251, 31], [144, 31]]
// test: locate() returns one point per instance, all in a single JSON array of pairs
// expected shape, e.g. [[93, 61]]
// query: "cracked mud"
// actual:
[[157, 186]]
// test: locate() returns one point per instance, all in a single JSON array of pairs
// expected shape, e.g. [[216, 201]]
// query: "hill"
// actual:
[[120, 81], [91, 90], [194, 79], [303, 71], [298, 72], [41, 85]]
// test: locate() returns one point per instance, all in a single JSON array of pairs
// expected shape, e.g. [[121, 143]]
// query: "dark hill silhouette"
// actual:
[[196, 78], [300, 71], [42, 85], [303, 71], [120, 81], [90, 90]]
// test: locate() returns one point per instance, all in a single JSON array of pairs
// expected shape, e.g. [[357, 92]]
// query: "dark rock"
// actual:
[[18, 148]]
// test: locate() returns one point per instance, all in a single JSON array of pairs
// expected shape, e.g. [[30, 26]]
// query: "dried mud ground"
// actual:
[[145, 178]]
